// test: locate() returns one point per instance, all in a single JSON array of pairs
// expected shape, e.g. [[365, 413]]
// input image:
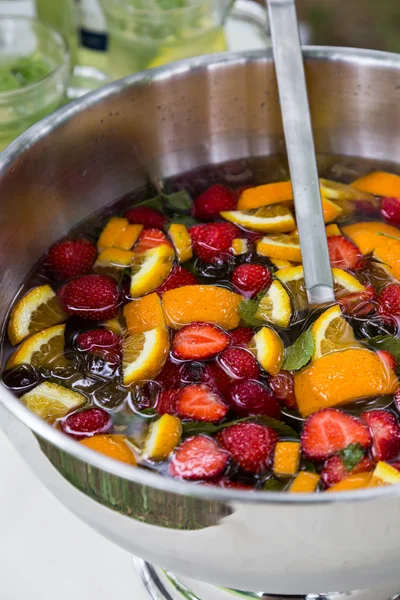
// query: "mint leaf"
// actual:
[[179, 202], [273, 485], [351, 456], [155, 203], [386, 342], [299, 353], [247, 312], [309, 466], [186, 220], [199, 427]]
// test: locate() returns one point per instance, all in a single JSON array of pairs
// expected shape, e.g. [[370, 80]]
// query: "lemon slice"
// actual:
[[144, 354], [41, 349], [277, 218], [331, 332], [275, 306], [38, 309], [284, 247], [111, 232], [281, 264], [182, 242], [240, 246], [150, 270], [51, 401], [340, 191], [163, 437], [384, 474], [268, 349], [345, 281]]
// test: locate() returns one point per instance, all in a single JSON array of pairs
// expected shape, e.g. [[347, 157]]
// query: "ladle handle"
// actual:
[[300, 149]]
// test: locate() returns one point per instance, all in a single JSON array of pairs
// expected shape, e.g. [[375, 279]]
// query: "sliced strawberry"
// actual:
[[166, 402], [201, 403], [227, 483], [93, 297], [210, 203], [389, 300], [282, 386], [102, 342], [178, 277], [397, 400], [71, 258], [358, 304], [251, 279], [199, 341], [170, 375], [390, 210], [385, 430], [198, 458], [143, 215], [241, 336], [329, 430], [214, 240], [87, 423], [216, 378], [387, 358], [239, 363], [251, 445], [150, 238], [334, 469], [343, 254], [251, 397]]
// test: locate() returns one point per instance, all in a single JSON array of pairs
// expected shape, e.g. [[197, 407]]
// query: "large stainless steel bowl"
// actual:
[[97, 149]]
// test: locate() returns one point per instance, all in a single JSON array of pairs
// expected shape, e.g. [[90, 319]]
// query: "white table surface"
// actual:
[[46, 553]]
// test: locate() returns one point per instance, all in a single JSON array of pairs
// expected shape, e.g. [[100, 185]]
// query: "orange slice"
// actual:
[[128, 238], [112, 445], [240, 246], [331, 210], [144, 355], [114, 257], [352, 482], [379, 183], [367, 234], [284, 247], [331, 332], [384, 474], [281, 264], [265, 195], [37, 310], [150, 270], [182, 242], [305, 483], [51, 401], [332, 229], [340, 377], [388, 252], [286, 458], [275, 306], [41, 349], [203, 303], [269, 218], [342, 193], [268, 349], [163, 437], [144, 314], [111, 232]]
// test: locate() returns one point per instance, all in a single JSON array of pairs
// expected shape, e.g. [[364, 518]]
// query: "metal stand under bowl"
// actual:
[[164, 585]]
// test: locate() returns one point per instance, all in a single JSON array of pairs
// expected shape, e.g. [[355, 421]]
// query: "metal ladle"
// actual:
[[301, 151]]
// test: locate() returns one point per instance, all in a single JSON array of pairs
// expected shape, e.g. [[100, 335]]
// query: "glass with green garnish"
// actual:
[[148, 33], [34, 72]]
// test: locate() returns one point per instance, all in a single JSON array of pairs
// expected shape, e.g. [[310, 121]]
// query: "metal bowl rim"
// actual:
[[141, 476]]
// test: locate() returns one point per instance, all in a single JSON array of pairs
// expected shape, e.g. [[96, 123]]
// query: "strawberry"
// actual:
[[201, 403], [210, 203], [93, 297], [241, 336], [178, 277], [358, 304], [166, 402], [150, 238], [397, 400], [329, 430], [143, 215], [251, 397], [251, 279], [71, 258], [343, 254], [213, 240], [389, 300], [387, 358], [87, 423], [235, 485], [334, 469], [198, 458], [385, 430], [199, 341], [390, 210], [170, 376], [239, 363], [396, 464], [282, 386], [102, 342], [251, 445], [216, 378]]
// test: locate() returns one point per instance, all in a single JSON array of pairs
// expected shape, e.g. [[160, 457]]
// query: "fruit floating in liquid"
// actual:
[[179, 339]]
